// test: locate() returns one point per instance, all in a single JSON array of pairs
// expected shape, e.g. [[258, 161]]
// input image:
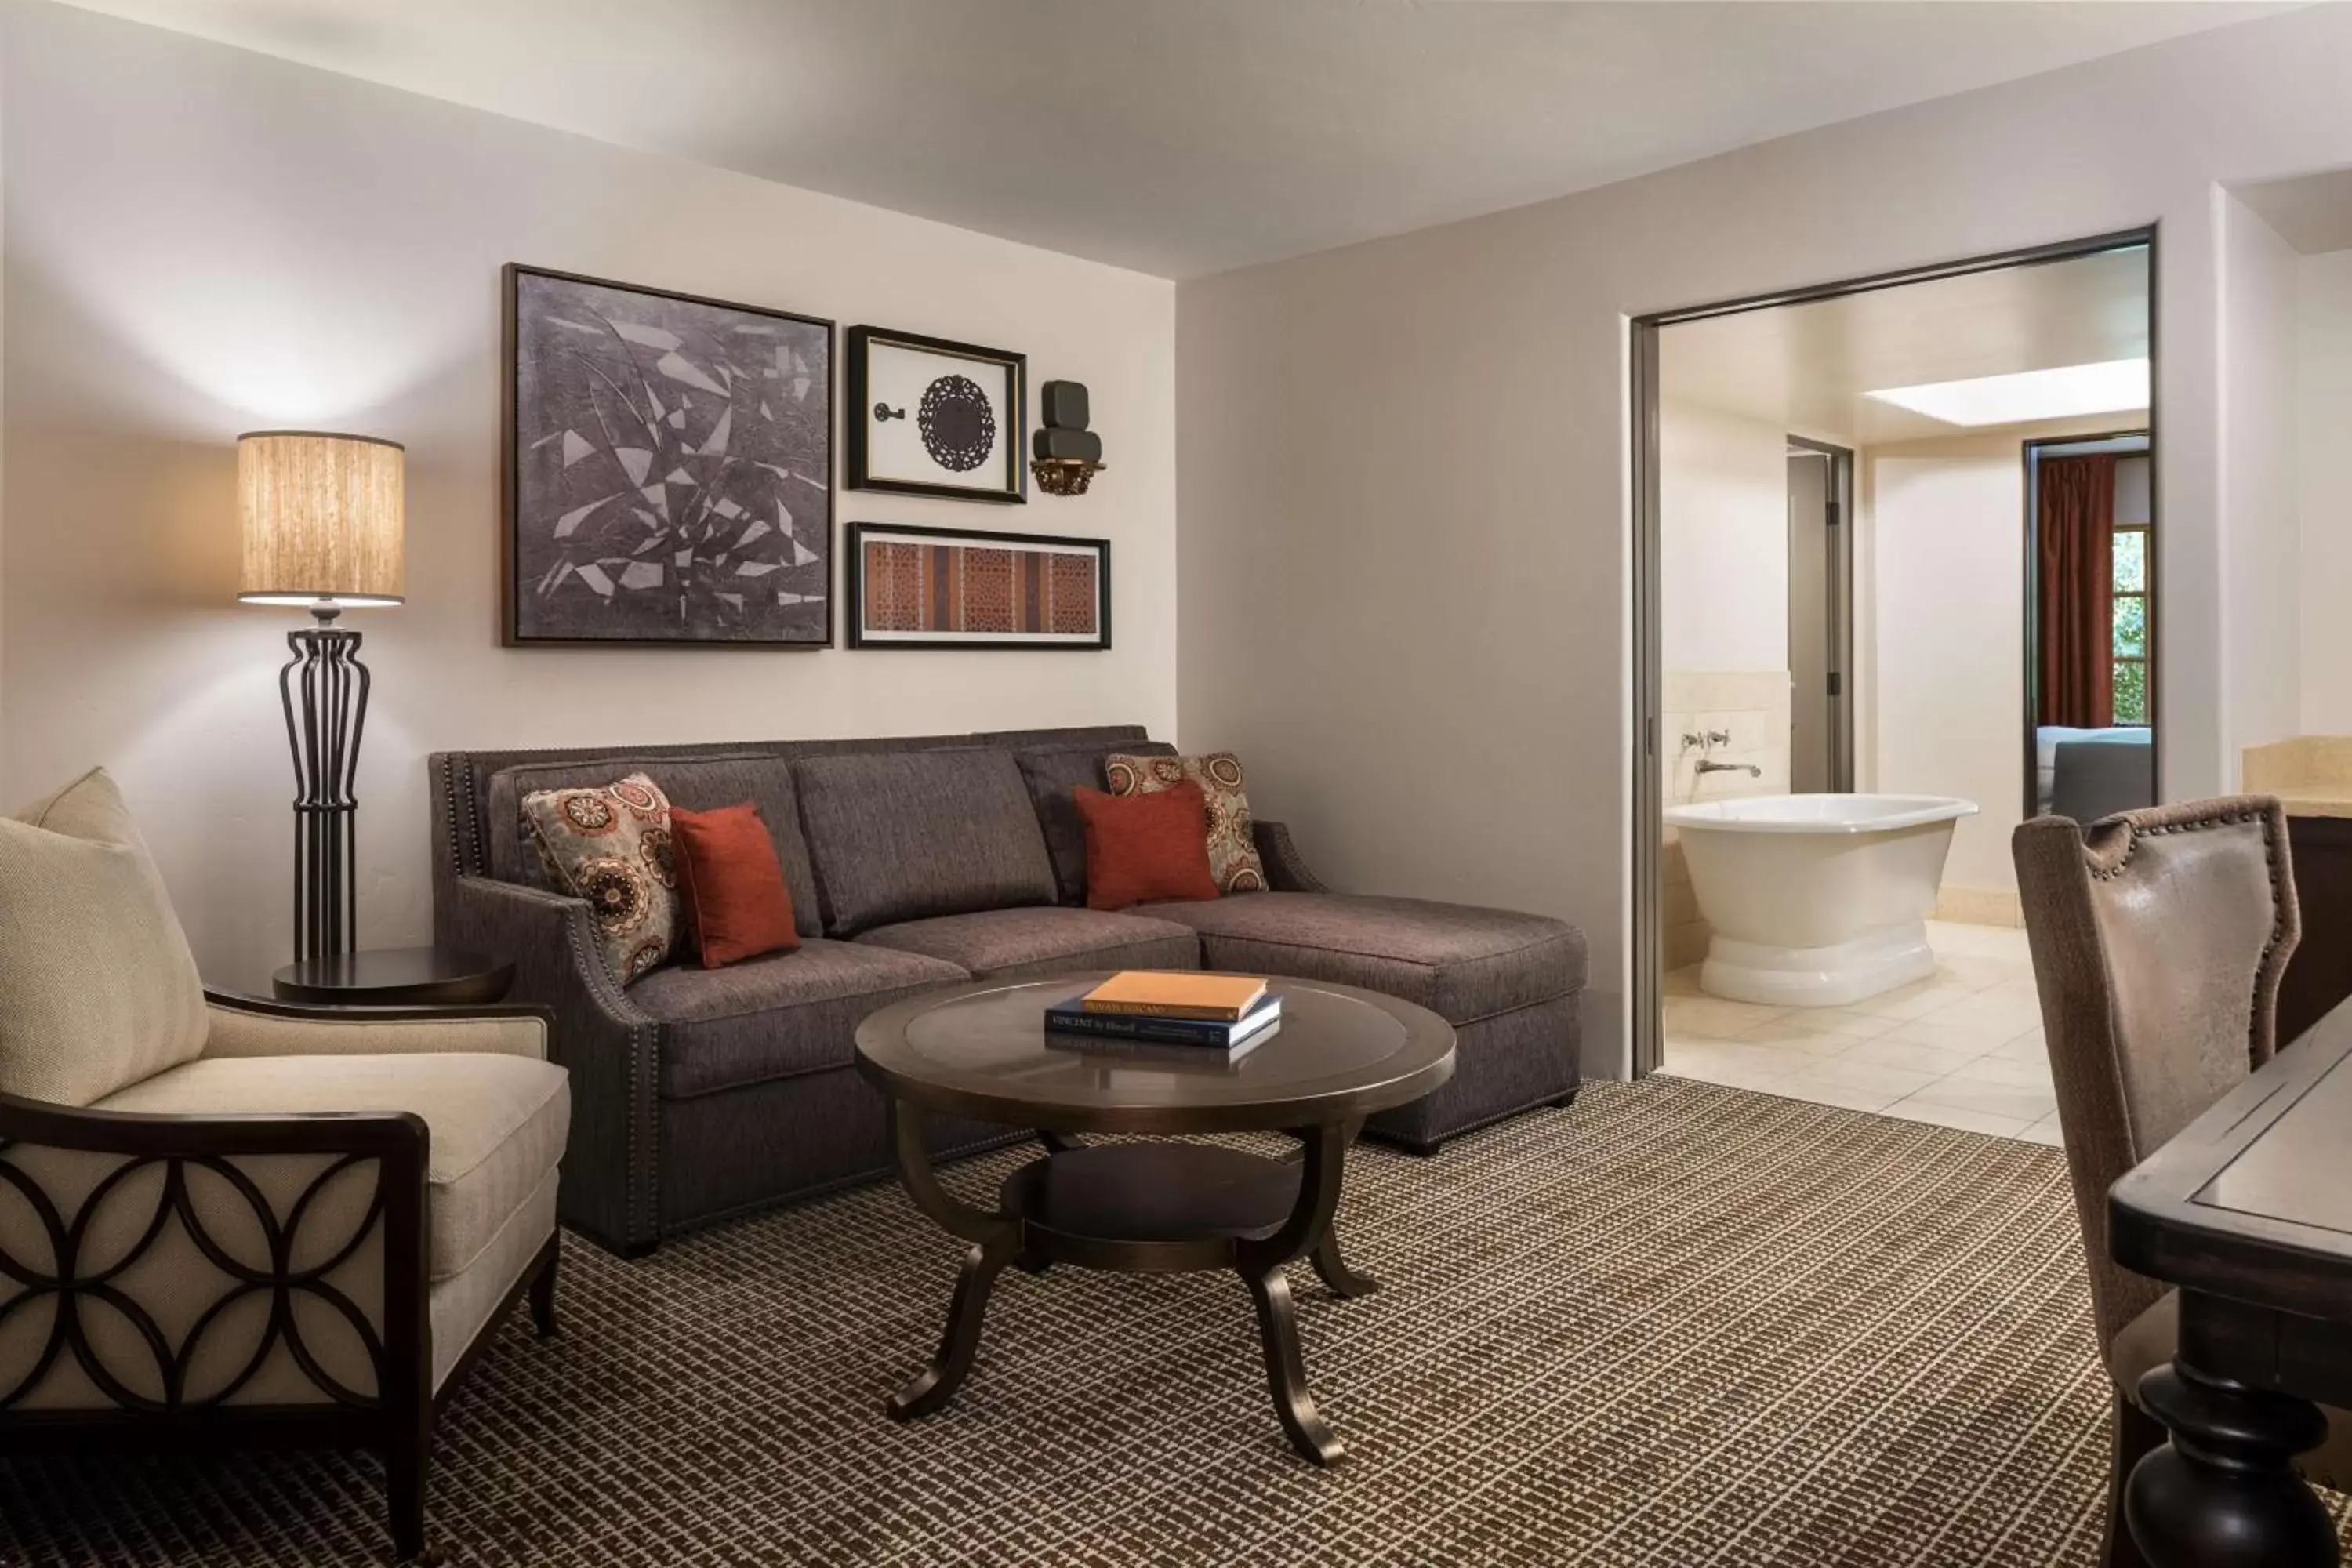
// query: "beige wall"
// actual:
[[203, 241], [1402, 480], [2324, 420], [1723, 541], [2261, 599], [1944, 570]]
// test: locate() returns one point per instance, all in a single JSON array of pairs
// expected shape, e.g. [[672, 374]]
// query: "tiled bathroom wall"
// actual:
[[1751, 707]]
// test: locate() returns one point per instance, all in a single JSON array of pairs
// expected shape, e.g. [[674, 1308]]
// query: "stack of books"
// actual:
[[1227, 1013]]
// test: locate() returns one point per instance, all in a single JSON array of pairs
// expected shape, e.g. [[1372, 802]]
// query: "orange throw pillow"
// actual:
[[1143, 847], [731, 884]]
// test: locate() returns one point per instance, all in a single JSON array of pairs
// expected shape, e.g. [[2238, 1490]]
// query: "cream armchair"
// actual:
[[224, 1219]]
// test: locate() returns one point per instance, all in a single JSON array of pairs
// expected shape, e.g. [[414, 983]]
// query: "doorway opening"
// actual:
[[1820, 617], [2090, 609], [1833, 647]]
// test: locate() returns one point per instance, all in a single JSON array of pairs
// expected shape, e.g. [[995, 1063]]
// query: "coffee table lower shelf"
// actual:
[[1148, 1208]]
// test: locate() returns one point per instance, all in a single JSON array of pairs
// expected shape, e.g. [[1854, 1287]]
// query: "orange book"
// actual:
[[1162, 993]]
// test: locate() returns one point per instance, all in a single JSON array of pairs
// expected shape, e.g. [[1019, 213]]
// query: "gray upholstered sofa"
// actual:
[[915, 863]]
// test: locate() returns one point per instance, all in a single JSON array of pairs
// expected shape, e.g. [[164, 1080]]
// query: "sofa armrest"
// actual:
[[1285, 868], [611, 1171], [257, 1026], [102, 1194]]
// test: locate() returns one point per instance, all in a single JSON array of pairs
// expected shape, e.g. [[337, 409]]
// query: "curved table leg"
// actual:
[[960, 1341], [1261, 1264], [1330, 1266], [995, 1240], [2223, 1493], [1286, 1370], [1337, 1277]]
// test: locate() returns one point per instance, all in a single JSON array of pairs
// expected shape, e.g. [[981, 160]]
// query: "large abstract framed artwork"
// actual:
[[668, 468], [947, 587], [931, 418]]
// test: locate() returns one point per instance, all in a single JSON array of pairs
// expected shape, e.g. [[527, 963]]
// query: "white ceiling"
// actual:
[[2313, 213], [1182, 137], [1806, 367]]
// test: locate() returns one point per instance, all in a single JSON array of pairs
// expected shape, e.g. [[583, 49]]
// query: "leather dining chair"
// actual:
[[2158, 938]]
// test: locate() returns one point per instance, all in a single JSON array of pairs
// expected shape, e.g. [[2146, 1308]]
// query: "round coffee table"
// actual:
[[982, 1050]]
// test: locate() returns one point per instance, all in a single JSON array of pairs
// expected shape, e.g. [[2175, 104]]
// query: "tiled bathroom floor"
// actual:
[[1961, 1048]]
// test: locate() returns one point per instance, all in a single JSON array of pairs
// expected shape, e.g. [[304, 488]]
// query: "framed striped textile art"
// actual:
[[953, 587]]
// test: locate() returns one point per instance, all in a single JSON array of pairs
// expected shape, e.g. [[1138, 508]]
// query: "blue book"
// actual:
[[1071, 1018]]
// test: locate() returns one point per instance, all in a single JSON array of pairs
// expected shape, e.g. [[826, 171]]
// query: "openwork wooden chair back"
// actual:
[[2158, 940]]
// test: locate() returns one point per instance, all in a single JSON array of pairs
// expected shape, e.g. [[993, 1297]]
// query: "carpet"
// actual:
[[1678, 1324]]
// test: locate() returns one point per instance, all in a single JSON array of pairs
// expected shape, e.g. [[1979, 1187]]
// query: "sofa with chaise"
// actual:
[[914, 863]]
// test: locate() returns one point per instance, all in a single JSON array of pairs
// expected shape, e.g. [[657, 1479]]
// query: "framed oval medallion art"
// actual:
[[931, 417]]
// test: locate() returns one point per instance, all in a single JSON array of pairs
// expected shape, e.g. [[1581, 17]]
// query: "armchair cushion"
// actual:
[[238, 1031], [98, 988], [498, 1122]]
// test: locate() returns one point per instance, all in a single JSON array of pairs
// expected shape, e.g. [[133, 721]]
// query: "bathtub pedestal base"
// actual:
[[1834, 976]]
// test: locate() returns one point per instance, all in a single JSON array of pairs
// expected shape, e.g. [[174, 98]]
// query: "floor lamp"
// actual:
[[323, 524]]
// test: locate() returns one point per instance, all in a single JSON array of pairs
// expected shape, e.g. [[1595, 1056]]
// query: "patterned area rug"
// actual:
[[1679, 1324]]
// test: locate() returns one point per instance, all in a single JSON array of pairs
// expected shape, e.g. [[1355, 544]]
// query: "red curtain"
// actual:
[[2074, 536]]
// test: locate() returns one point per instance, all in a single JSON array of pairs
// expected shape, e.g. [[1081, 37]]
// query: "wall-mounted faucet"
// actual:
[[1705, 741]]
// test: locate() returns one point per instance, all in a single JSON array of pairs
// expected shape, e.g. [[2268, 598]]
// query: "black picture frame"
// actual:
[[1009, 483], [859, 637], [514, 630]]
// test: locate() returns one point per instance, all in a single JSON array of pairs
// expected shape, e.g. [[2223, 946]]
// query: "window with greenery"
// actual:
[[2134, 655]]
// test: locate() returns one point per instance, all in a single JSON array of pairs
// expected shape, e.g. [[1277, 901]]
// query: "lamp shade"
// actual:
[[323, 518]]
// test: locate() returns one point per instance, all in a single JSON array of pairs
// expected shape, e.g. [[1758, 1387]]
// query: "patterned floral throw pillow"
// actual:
[[1232, 846], [611, 847]]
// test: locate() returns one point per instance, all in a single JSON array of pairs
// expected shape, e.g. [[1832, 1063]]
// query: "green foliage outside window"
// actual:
[[2131, 561], [2131, 691]]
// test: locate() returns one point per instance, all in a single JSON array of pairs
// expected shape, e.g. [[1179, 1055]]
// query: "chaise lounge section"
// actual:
[[912, 864]]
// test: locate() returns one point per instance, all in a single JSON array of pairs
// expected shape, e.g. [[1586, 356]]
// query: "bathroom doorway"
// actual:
[[2090, 628], [1820, 617], [1831, 652]]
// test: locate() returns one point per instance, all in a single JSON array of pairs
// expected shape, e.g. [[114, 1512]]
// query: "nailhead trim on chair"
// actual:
[[2234, 810]]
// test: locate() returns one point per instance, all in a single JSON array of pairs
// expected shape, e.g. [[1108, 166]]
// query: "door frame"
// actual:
[[1647, 938], [1840, 605], [2033, 451]]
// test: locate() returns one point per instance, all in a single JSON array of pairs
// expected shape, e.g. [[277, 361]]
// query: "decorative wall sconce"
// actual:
[[1066, 455]]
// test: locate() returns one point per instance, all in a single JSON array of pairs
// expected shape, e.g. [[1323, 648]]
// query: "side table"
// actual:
[[396, 977]]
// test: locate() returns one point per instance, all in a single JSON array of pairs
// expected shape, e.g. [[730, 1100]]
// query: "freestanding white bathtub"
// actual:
[[1816, 901]]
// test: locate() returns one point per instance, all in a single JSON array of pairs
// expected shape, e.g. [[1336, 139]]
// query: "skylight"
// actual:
[[2110, 387]]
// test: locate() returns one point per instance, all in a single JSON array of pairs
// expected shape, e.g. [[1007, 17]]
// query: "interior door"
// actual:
[[1812, 670]]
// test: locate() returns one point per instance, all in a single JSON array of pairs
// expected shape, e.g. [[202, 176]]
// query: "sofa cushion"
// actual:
[[730, 891], [1052, 772], [98, 988], [1146, 848], [1042, 938], [499, 1123], [901, 835], [610, 845], [698, 784], [1460, 962], [1233, 841], [778, 1017]]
